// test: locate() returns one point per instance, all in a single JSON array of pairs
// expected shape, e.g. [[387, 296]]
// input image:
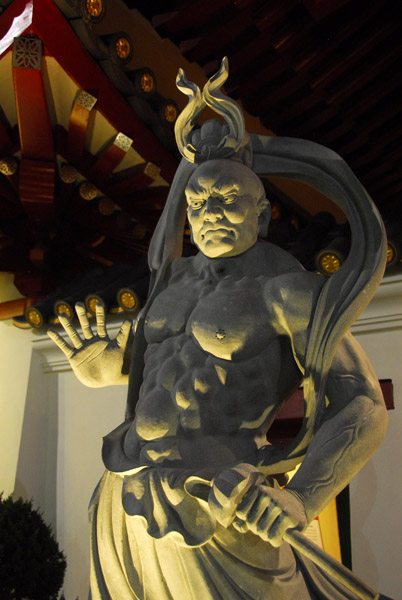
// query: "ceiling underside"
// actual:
[[327, 71]]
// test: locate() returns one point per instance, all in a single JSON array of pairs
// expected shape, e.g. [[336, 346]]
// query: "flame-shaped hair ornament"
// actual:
[[194, 146], [188, 117]]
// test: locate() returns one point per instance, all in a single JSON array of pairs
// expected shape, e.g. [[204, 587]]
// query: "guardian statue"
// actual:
[[194, 502]]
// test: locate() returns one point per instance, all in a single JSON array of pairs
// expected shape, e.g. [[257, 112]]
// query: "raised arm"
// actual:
[[96, 360]]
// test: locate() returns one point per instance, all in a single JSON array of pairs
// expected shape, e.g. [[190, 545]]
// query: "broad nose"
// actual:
[[213, 209]]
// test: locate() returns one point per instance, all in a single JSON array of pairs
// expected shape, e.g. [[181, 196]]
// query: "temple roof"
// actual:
[[88, 103]]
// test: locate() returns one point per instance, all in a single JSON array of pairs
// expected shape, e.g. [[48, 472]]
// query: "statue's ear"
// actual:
[[264, 216]]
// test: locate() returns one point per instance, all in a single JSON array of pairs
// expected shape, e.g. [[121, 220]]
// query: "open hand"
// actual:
[[95, 359]]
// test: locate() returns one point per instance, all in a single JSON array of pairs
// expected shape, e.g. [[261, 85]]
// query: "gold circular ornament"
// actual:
[[144, 82], [8, 166], [123, 48], [62, 307], [34, 317], [68, 173], [127, 299], [393, 253], [91, 301], [120, 47], [88, 191], [275, 212], [147, 82], [106, 206], [170, 112], [328, 261], [94, 9]]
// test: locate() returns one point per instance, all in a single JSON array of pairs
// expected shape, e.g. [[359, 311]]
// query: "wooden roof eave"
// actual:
[[60, 42]]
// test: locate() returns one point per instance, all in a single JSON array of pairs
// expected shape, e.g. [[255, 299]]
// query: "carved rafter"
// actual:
[[132, 179], [148, 199], [78, 125], [110, 158], [35, 133], [36, 170]]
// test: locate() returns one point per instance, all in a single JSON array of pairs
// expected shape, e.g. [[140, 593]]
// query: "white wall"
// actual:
[[84, 416], [376, 492], [51, 430], [15, 357]]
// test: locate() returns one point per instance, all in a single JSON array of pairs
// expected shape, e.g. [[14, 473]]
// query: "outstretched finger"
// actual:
[[62, 344], [83, 319], [122, 336], [100, 320], [71, 332]]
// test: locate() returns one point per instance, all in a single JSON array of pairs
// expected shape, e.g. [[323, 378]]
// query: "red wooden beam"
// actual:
[[37, 187], [33, 118], [147, 199], [78, 125], [110, 158], [14, 308], [61, 42], [43, 18], [132, 179]]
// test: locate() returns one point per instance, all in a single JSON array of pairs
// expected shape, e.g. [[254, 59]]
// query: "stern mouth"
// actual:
[[219, 230]]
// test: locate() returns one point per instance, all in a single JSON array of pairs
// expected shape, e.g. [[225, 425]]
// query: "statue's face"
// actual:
[[222, 198]]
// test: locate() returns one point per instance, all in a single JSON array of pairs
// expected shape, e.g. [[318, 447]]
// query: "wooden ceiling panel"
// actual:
[[326, 71]]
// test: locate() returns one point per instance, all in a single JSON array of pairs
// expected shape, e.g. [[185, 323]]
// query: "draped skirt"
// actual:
[[153, 538]]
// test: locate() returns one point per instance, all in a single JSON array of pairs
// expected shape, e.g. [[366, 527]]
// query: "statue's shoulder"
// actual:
[[289, 288], [275, 261], [286, 272]]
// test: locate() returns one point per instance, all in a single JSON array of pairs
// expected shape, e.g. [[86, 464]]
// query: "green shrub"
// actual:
[[31, 565]]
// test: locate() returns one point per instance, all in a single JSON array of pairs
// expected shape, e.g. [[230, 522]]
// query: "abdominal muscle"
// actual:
[[197, 409], [213, 378]]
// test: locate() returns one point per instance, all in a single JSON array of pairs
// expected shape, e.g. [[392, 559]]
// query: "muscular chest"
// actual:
[[227, 318]]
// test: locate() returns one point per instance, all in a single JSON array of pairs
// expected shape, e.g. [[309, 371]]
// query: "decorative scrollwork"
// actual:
[[27, 53]]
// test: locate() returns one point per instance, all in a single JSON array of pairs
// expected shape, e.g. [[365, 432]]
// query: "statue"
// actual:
[[193, 503]]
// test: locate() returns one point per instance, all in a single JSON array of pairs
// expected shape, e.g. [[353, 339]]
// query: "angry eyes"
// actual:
[[197, 202]]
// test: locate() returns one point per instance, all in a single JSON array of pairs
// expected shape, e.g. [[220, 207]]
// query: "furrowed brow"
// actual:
[[194, 189], [226, 188]]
